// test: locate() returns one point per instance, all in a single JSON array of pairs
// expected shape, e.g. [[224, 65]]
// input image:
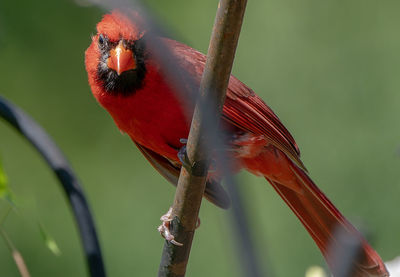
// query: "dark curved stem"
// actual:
[[35, 134]]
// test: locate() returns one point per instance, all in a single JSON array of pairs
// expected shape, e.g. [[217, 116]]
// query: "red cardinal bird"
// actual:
[[127, 81]]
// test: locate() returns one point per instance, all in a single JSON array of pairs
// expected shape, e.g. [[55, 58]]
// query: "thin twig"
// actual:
[[18, 259], [213, 87], [4, 217]]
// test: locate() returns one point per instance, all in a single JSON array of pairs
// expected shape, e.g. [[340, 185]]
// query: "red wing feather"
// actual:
[[243, 108]]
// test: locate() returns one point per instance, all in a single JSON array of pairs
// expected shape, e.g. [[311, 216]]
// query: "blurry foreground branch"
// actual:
[[191, 182]]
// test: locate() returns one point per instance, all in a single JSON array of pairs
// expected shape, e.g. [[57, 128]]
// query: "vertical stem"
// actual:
[[213, 87]]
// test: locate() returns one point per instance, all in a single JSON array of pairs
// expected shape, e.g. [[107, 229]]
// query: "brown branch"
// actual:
[[213, 87]]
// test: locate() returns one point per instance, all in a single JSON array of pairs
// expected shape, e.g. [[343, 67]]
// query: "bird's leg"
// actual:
[[184, 159], [182, 156], [164, 228]]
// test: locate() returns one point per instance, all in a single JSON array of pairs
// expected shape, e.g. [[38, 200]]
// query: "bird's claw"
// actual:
[[182, 156], [164, 228]]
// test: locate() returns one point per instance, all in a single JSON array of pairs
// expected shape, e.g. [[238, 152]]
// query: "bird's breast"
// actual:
[[152, 116]]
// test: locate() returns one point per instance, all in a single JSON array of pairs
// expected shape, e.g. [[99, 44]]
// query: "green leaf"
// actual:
[[49, 241], [5, 191], [3, 181]]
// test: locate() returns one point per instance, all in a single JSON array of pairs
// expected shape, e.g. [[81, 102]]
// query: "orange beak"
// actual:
[[121, 59]]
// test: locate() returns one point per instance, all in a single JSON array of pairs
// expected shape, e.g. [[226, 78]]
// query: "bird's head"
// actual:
[[115, 60]]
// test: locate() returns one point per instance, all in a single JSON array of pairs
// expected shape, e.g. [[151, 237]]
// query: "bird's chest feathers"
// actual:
[[152, 116]]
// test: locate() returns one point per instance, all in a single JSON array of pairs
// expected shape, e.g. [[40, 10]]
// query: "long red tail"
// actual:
[[318, 215], [321, 219]]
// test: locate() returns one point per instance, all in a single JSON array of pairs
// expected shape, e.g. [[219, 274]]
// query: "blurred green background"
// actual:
[[329, 69]]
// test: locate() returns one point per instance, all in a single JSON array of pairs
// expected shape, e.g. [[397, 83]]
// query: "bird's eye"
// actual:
[[101, 40]]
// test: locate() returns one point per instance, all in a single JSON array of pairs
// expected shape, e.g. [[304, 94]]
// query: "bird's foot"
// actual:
[[184, 159], [164, 228], [182, 156]]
